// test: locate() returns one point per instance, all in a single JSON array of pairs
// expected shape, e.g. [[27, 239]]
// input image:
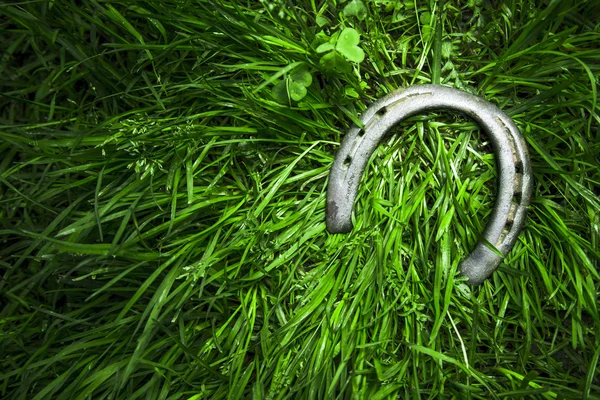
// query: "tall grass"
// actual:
[[162, 191]]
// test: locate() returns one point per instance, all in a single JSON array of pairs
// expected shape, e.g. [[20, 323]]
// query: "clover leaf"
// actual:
[[325, 47], [293, 87], [322, 21], [347, 44], [302, 77], [341, 48], [296, 91], [356, 8], [280, 93], [335, 61]]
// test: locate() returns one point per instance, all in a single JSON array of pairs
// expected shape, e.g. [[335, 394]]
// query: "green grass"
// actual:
[[162, 229]]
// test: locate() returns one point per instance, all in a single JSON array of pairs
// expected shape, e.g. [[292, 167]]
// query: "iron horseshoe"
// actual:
[[515, 180]]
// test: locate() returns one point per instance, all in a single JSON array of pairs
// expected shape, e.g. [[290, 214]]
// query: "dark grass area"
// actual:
[[163, 170]]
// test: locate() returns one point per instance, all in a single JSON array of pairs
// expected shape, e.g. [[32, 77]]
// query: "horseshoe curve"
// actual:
[[514, 169]]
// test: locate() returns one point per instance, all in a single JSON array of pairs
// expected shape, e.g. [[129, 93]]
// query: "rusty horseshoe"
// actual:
[[515, 180]]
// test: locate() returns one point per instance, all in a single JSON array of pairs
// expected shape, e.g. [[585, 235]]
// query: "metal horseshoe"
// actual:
[[512, 159]]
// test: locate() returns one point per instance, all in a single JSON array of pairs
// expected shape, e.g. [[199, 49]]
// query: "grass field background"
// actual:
[[163, 171]]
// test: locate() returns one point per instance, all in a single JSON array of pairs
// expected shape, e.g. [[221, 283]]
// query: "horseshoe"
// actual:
[[515, 177]]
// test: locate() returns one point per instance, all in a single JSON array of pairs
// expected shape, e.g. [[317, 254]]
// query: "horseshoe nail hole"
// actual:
[[519, 167], [517, 197], [381, 112], [347, 161], [361, 133]]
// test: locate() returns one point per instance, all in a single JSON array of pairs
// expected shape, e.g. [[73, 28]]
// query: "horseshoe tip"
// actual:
[[334, 228], [337, 226], [480, 264], [335, 223]]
